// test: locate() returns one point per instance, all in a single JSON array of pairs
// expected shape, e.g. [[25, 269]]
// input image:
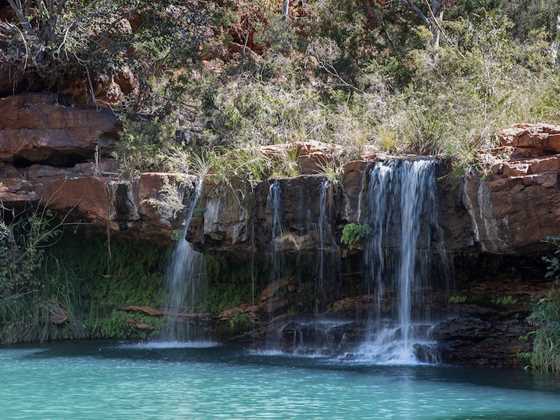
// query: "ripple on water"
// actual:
[[90, 381], [157, 345]]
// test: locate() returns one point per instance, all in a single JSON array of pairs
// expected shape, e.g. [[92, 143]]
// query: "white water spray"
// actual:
[[323, 232], [184, 280], [401, 195]]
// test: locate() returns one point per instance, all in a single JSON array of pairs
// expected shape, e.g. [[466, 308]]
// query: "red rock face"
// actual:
[[35, 128], [529, 140], [511, 210], [58, 143], [518, 205]]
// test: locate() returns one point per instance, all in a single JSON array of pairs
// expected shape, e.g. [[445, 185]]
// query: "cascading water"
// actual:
[[402, 204], [323, 227], [274, 200], [183, 280], [274, 204]]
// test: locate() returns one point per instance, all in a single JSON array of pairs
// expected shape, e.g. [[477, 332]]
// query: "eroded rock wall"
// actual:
[[58, 156]]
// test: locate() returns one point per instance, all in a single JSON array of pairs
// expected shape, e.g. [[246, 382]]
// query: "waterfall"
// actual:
[[274, 204], [402, 216], [274, 201], [323, 227], [379, 215], [184, 281]]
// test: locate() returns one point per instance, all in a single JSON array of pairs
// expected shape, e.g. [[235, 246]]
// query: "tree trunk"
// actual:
[[286, 9], [436, 32], [555, 47]]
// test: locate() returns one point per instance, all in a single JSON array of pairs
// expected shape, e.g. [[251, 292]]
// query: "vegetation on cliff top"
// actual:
[[423, 77]]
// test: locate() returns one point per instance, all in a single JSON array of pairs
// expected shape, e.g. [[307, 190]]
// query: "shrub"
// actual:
[[505, 300], [457, 299], [546, 346], [553, 261], [240, 323], [353, 234]]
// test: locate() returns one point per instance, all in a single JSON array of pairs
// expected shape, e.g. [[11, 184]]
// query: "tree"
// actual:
[[432, 17]]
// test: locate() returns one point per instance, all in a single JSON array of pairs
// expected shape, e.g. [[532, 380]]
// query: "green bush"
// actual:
[[353, 234], [457, 299], [88, 280], [240, 323], [341, 72], [546, 346]]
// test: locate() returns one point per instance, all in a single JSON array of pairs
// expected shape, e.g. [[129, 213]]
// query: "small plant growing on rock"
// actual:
[[332, 170], [505, 300], [553, 261], [546, 346], [353, 234], [457, 299]]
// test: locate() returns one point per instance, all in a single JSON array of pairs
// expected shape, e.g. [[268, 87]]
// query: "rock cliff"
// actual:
[[59, 156]]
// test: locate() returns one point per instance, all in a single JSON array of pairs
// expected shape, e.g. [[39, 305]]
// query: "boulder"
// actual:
[[144, 310], [140, 326]]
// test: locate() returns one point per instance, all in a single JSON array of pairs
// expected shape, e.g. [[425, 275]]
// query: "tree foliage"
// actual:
[[430, 77]]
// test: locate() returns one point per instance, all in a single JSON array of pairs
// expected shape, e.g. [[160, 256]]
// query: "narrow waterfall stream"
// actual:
[[402, 215], [274, 202], [323, 227], [184, 279]]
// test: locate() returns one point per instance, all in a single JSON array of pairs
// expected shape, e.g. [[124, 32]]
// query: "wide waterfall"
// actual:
[[403, 221], [184, 279]]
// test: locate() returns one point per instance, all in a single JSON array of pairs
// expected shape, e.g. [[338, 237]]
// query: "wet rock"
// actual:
[[353, 186], [145, 310], [240, 223], [77, 193], [140, 326], [357, 305], [57, 314], [251, 311], [495, 341]]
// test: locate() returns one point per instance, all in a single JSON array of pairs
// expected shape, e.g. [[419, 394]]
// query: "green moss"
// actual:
[[120, 326], [229, 285], [90, 281], [240, 323]]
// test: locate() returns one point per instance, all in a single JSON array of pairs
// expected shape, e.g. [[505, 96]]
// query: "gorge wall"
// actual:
[[493, 224]]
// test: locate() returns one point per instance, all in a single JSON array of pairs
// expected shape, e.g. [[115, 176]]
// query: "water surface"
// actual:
[[103, 380]]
